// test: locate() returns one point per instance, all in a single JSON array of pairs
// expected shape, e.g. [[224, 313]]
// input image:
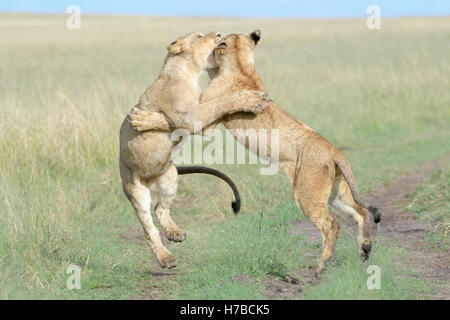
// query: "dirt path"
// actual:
[[399, 228]]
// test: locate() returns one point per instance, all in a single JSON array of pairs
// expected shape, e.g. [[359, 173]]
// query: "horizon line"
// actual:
[[128, 14]]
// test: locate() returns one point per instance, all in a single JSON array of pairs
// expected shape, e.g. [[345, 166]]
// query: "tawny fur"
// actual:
[[318, 172], [145, 157]]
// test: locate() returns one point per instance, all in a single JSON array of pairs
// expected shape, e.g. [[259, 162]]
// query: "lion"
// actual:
[[318, 172], [145, 157]]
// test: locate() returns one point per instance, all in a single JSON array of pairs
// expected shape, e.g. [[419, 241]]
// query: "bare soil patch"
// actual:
[[276, 288]]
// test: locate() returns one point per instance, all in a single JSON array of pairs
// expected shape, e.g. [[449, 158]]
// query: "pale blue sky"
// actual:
[[258, 8]]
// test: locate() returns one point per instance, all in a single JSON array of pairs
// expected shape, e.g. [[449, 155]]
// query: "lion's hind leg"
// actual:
[[139, 195], [341, 199], [166, 188], [312, 189]]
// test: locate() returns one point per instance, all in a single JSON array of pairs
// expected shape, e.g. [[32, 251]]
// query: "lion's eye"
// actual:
[[223, 44]]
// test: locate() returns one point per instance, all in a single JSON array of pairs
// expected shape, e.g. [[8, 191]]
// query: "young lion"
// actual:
[[319, 173], [145, 157]]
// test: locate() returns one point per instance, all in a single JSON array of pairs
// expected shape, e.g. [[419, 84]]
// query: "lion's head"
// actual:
[[236, 51], [199, 45]]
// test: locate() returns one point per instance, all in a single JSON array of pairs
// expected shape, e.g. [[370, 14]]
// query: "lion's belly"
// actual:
[[147, 153]]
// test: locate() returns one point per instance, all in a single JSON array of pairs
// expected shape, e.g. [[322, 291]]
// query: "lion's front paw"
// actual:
[[137, 118], [258, 101], [265, 99]]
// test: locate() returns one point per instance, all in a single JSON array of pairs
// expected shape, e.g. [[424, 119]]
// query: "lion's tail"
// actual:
[[346, 171], [236, 204]]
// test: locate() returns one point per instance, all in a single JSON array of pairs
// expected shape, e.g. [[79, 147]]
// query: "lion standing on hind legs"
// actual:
[[145, 157], [318, 172]]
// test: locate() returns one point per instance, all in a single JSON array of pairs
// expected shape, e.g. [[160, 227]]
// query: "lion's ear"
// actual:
[[256, 36], [175, 47]]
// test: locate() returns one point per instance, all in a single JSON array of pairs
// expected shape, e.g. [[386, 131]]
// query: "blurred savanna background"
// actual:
[[382, 96]]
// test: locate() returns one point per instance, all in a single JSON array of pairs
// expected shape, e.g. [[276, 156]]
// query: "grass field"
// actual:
[[383, 94]]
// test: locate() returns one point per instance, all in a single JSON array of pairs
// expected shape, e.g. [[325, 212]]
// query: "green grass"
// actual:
[[64, 94], [256, 245], [346, 277]]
